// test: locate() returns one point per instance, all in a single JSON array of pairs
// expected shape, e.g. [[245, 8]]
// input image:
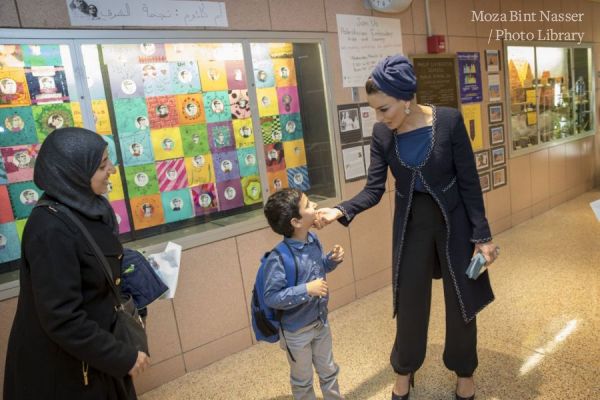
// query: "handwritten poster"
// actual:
[[363, 42], [147, 13]]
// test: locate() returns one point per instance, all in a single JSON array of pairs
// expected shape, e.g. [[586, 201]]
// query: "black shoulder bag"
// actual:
[[128, 326]]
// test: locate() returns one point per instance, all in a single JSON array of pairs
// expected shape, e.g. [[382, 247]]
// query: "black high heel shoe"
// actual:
[[411, 382]]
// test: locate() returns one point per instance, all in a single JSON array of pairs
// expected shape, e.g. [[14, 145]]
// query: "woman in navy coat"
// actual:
[[439, 222]]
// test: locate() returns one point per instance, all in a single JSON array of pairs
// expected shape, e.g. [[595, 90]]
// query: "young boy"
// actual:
[[304, 322]]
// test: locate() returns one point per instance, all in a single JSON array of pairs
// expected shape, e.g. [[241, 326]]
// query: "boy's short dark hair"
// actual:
[[281, 207]]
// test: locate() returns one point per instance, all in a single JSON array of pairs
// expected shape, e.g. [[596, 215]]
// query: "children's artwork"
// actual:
[[125, 82], [251, 189], [10, 246], [6, 212], [274, 156], [13, 88], [120, 54], [93, 72], [77, 116], [497, 134], [131, 115], [112, 151], [482, 160], [260, 51], [16, 126], [177, 205], [185, 78], [226, 166], [285, 72], [247, 161], [200, 169], [162, 111], [484, 182], [23, 196], [230, 194], [288, 100], [141, 180], [136, 148], [495, 113], [195, 139], [156, 78], [213, 76], [216, 106], [295, 154], [236, 74], [240, 104], [147, 211], [277, 180], [3, 175], [291, 126], [151, 53], [101, 116], [498, 156], [11, 55], [20, 224], [242, 129], [171, 175], [263, 74], [271, 129], [190, 109], [499, 177], [220, 137], [47, 85], [494, 87], [19, 161], [205, 199], [120, 210], [281, 50], [115, 186], [166, 143], [298, 178], [267, 102], [49, 117], [492, 60]]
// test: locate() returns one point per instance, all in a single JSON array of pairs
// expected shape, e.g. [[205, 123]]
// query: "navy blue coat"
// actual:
[[449, 175]]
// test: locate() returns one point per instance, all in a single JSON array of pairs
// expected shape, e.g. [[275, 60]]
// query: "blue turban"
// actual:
[[395, 76]]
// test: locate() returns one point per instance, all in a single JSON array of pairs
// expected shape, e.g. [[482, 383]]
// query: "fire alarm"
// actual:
[[436, 44]]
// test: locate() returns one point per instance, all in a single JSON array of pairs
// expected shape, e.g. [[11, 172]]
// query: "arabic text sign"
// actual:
[[363, 42], [146, 13]]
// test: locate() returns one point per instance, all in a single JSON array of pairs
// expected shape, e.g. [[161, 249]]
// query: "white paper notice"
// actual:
[[596, 208], [354, 163], [363, 42], [147, 13], [167, 264], [367, 118]]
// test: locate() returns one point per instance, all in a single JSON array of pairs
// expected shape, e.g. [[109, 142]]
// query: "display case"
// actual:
[[550, 91]]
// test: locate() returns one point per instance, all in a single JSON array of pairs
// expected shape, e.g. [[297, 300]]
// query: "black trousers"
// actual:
[[424, 250]]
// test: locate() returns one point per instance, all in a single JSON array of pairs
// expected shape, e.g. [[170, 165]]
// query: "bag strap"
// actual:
[[55, 208]]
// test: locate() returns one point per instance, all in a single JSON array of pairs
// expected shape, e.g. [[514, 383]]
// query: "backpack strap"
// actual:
[[316, 239], [290, 264]]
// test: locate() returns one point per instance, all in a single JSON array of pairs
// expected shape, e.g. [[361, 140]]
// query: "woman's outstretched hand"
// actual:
[[325, 216]]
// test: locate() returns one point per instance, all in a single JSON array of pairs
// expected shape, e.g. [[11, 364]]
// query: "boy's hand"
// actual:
[[318, 287], [336, 254]]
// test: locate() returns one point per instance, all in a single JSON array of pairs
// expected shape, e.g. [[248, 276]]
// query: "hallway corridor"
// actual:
[[540, 338]]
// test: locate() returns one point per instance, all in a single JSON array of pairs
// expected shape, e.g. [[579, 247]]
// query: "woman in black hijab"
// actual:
[[61, 346]]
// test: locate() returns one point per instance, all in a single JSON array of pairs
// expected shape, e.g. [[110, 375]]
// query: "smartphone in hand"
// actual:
[[476, 266]]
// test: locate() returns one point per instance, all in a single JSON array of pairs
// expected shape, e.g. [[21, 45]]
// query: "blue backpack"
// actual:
[[266, 321]]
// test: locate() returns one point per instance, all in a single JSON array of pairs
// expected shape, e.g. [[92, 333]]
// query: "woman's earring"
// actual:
[[407, 110]]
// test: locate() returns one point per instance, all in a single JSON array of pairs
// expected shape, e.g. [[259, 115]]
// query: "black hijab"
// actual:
[[67, 160]]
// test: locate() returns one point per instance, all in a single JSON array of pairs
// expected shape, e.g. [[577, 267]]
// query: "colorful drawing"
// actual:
[[190, 109], [244, 136], [23, 196], [271, 129], [166, 143], [295, 154], [230, 194], [216, 106], [177, 205], [285, 72], [277, 180], [112, 151], [274, 157], [171, 175], [120, 209], [6, 212], [147, 211], [267, 102], [298, 178], [212, 75], [205, 199], [247, 161], [236, 74], [10, 246], [162, 111], [291, 126], [20, 224], [185, 78], [115, 186], [226, 166], [220, 136], [240, 104], [281, 50], [19, 161], [131, 115], [195, 139], [77, 115], [47, 85], [13, 88], [41, 55], [16, 126], [3, 175], [125, 82], [288, 100], [200, 169], [49, 117], [141, 180], [136, 148], [11, 55], [101, 116], [263, 74], [251, 189], [156, 78], [151, 53]]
